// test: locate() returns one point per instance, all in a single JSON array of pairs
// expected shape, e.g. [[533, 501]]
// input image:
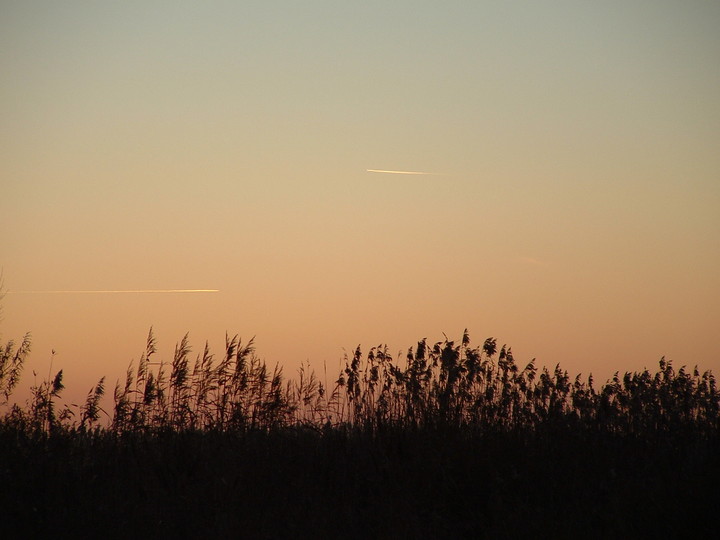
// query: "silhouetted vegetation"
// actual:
[[450, 440]]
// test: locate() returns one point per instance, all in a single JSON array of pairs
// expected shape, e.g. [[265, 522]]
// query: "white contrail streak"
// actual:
[[136, 291], [402, 172]]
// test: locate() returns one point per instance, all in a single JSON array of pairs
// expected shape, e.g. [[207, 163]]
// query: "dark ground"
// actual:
[[297, 482]]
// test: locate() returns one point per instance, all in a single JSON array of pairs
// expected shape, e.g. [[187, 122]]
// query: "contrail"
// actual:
[[402, 172], [135, 291]]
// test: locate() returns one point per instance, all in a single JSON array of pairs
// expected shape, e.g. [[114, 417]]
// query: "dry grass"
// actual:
[[448, 383], [450, 440]]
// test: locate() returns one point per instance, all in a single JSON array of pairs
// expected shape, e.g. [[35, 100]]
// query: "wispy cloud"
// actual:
[[381, 171], [533, 261], [131, 291]]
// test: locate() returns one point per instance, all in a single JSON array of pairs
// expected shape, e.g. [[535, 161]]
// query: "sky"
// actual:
[[573, 210]]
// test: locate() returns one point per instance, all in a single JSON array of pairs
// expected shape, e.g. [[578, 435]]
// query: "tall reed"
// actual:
[[443, 384]]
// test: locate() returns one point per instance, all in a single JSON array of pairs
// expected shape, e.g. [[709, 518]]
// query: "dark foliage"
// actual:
[[455, 442]]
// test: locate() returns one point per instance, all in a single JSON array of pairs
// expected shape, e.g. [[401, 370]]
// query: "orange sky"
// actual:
[[573, 211]]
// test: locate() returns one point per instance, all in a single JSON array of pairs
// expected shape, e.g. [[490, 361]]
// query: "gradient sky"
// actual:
[[573, 213]]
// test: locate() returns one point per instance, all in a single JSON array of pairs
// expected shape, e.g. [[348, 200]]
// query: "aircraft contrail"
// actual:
[[136, 291], [402, 172]]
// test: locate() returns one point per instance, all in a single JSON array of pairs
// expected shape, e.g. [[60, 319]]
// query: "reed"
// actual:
[[447, 383], [449, 439]]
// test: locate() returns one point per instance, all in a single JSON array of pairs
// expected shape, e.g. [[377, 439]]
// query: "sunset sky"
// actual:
[[572, 210]]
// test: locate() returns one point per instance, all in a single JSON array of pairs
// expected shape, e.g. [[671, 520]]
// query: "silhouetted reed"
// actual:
[[447, 440], [445, 384]]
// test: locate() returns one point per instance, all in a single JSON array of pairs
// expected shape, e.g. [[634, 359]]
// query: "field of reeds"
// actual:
[[450, 440]]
